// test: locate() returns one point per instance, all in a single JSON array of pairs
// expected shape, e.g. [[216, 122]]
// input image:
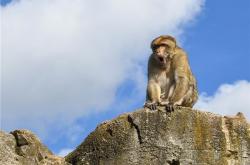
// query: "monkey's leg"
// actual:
[[153, 95], [169, 92], [180, 91], [164, 103], [190, 97]]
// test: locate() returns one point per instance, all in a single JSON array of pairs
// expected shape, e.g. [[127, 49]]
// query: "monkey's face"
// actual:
[[163, 48], [162, 53]]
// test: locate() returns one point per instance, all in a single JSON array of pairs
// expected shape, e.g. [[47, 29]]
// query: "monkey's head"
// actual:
[[163, 48]]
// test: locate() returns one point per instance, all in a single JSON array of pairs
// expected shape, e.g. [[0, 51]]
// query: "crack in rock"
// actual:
[[130, 120], [20, 139]]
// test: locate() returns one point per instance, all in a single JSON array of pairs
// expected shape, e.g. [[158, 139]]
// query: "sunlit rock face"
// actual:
[[184, 136], [22, 147]]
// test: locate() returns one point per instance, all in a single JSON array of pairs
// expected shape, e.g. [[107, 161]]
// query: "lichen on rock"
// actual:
[[185, 136]]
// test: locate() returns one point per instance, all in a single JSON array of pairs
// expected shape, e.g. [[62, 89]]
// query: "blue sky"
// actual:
[[49, 56], [221, 39]]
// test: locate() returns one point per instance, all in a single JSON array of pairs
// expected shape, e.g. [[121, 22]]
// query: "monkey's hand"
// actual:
[[171, 107], [151, 105]]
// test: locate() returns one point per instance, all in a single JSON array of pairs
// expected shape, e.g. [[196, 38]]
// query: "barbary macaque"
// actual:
[[170, 80]]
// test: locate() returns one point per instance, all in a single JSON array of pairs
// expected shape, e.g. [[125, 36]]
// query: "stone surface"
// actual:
[[22, 147], [182, 137]]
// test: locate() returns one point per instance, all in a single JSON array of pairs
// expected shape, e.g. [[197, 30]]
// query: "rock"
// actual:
[[182, 137], [22, 147]]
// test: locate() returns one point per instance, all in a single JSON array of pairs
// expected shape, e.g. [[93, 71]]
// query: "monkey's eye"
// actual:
[[167, 46]]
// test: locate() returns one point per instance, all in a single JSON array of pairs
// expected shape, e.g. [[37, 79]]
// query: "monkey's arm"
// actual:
[[181, 79], [153, 88]]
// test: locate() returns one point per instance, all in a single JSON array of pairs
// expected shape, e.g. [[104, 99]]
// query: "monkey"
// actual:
[[170, 79]]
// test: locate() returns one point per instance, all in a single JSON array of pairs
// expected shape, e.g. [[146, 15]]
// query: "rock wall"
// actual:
[[182, 137], [22, 147]]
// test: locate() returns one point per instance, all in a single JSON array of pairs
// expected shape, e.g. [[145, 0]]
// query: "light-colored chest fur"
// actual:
[[164, 80]]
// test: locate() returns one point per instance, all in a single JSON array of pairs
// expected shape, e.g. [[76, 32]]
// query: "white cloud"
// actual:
[[63, 59], [229, 99], [64, 152]]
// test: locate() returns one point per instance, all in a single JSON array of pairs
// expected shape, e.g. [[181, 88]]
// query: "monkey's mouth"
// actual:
[[161, 59]]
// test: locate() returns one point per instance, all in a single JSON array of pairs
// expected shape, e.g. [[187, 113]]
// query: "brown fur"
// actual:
[[170, 80]]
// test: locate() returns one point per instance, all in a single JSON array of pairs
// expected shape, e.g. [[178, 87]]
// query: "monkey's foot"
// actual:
[[164, 103], [151, 106], [169, 108], [178, 106]]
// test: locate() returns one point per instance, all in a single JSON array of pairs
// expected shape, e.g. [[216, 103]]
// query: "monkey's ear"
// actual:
[[155, 42], [152, 45]]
